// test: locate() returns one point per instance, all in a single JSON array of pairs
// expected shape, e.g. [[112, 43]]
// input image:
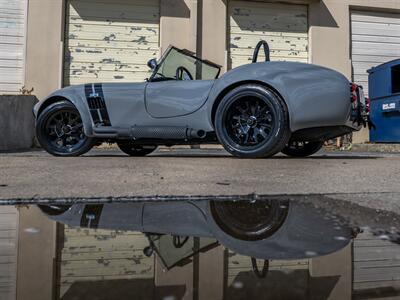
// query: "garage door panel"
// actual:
[[110, 22], [295, 43], [115, 34], [274, 53], [376, 29], [108, 28], [90, 255], [113, 66], [375, 59], [8, 247], [283, 26], [113, 45], [120, 56], [81, 77], [375, 40], [12, 43], [375, 17], [239, 61], [111, 40], [5, 17], [241, 32]]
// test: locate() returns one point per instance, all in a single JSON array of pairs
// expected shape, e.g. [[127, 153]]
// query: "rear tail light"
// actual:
[[353, 90], [367, 105]]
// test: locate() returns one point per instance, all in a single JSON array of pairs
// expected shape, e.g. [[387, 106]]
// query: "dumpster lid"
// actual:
[[388, 64]]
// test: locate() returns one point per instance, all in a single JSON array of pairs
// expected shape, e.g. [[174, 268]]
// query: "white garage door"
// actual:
[[283, 26], [376, 265], [12, 45], [375, 40], [110, 40], [90, 255], [8, 252]]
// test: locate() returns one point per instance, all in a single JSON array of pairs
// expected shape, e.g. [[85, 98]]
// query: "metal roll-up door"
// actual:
[[12, 45], [283, 26], [8, 252], [375, 40], [90, 259], [110, 40]]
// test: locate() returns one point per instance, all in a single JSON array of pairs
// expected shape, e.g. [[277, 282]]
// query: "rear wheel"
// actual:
[[250, 221], [302, 149], [252, 121], [135, 150], [59, 130]]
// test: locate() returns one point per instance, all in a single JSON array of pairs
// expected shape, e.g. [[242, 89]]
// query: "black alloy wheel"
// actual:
[[302, 149], [135, 150], [249, 221], [252, 121], [60, 130]]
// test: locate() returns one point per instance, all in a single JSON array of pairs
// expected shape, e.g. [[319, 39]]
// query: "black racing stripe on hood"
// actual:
[[91, 215], [97, 105]]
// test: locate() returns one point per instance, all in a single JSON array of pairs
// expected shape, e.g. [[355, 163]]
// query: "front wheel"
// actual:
[[302, 149], [252, 121], [59, 130], [135, 150]]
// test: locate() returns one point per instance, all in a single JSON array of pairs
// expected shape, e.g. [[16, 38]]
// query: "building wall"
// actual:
[[329, 30], [44, 46], [330, 40]]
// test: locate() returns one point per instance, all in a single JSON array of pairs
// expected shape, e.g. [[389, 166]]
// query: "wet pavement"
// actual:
[[199, 224]]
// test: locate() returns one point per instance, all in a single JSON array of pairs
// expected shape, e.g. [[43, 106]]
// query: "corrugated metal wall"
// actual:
[[12, 45], [89, 255], [375, 40], [110, 40], [8, 252], [283, 26]]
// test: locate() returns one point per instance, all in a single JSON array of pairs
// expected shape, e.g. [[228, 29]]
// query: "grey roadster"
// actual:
[[255, 110]]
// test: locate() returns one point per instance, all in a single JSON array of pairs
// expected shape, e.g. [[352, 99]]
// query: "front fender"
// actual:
[[75, 95], [315, 96]]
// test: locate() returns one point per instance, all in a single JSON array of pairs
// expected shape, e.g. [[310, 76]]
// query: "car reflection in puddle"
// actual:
[[268, 247], [260, 229]]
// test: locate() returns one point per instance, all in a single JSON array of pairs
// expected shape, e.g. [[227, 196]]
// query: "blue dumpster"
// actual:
[[384, 93]]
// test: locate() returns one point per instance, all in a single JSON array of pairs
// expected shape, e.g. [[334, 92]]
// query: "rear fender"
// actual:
[[315, 96]]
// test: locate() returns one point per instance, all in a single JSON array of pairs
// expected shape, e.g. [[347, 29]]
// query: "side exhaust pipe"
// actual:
[[167, 133]]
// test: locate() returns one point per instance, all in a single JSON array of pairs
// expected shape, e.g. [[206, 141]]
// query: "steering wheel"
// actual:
[[180, 71]]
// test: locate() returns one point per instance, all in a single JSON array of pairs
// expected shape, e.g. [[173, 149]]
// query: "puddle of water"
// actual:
[[278, 248]]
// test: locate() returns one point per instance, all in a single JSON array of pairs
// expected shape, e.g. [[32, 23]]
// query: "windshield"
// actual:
[[174, 58]]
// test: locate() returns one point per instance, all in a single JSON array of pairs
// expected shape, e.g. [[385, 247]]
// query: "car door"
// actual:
[[172, 98]]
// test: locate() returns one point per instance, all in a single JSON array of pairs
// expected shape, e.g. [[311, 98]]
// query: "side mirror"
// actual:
[[152, 63]]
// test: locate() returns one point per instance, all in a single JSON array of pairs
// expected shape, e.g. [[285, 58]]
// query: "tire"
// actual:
[[252, 122], [135, 150], [59, 130], [249, 221], [302, 149]]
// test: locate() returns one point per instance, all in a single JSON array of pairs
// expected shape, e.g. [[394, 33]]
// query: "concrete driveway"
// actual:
[[110, 173]]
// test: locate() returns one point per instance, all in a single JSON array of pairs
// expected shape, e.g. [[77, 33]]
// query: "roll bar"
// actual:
[[257, 50]]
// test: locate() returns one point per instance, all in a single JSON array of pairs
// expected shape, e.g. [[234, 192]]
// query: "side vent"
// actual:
[[97, 105]]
